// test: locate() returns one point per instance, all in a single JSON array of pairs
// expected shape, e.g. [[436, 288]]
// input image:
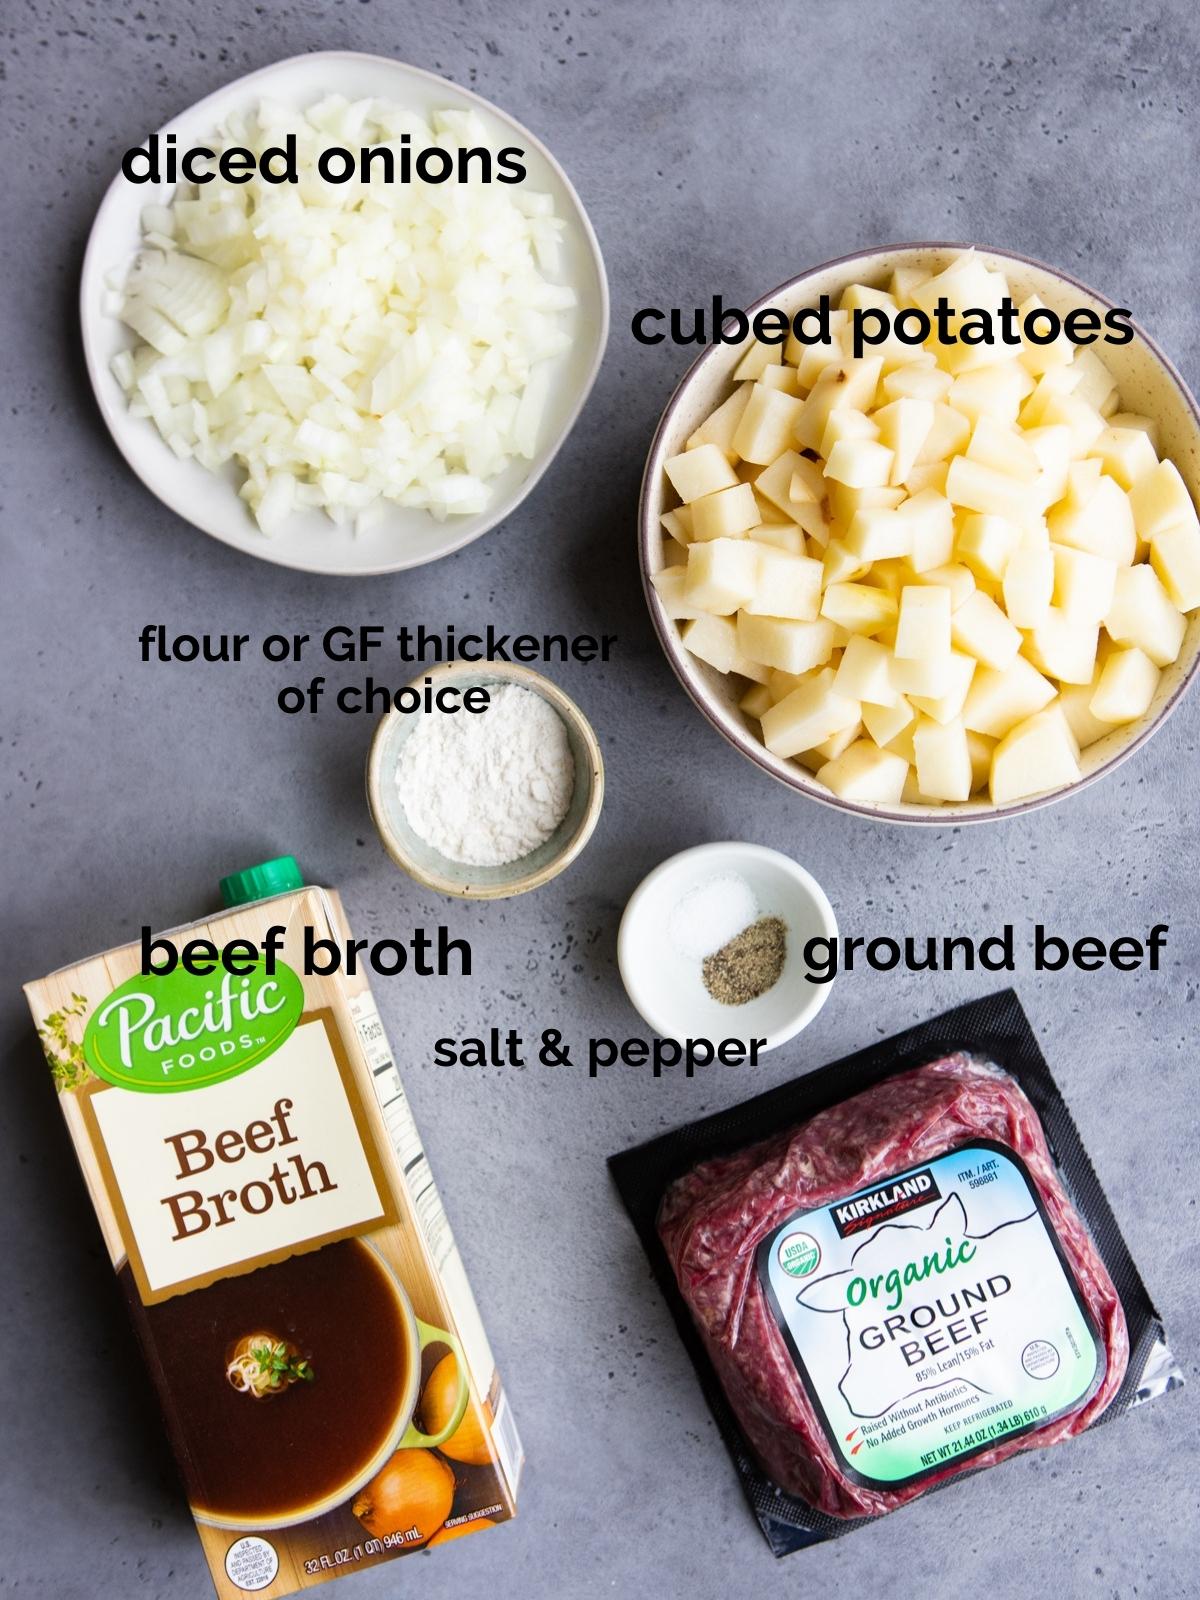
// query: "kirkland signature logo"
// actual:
[[885, 1201]]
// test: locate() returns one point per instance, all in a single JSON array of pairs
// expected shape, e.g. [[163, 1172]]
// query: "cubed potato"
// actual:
[[863, 674], [858, 607], [670, 584], [756, 358], [807, 483], [843, 383], [829, 749], [927, 475], [784, 643], [698, 472], [1126, 454], [673, 553], [1101, 522], [919, 381], [1143, 614], [714, 639], [845, 502], [1063, 648], [979, 488], [1131, 419], [957, 672], [994, 393], [1160, 500], [1038, 754], [756, 701], [981, 629], [968, 285], [918, 677], [986, 543], [1054, 449], [891, 575], [1039, 358], [997, 445], [948, 434], [814, 522], [806, 716], [943, 760], [885, 723], [721, 575], [903, 283], [1085, 422], [765, 428], [810, 360], [958, 579], [865, 773], [1028, 584], [720, 425], [725, 514], [860, 295], [781, 684], [930, 520], [787, 585], [677, 524], [782, 378], [859, 463], [879, 534], [923, 623], [774, 483], [1126, 686], [1075, 702], [1083, 583], [846, 423], [787, 536], [904, 426], [1175, 556], [1094, 382], [998, 700], [841, 565], [980, 749]]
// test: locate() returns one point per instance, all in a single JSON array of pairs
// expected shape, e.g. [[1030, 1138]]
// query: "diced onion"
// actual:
[[348, 345]]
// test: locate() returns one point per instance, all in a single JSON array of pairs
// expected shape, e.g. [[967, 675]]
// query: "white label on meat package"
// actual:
[[931, 1315]]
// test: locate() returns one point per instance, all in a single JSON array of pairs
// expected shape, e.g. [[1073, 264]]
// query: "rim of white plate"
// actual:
[[219, 512]]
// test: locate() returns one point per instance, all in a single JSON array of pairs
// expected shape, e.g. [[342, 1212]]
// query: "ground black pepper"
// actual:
[[749, 964]]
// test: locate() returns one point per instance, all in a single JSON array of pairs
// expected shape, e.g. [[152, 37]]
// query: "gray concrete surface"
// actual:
[[717, 147]]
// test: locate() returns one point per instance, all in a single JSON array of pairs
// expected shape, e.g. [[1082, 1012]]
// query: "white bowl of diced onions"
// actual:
[[791, 588], [312, 437]]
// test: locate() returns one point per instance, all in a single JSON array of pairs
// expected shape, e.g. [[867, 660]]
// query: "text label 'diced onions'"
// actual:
[[945, 568], [348, 345]]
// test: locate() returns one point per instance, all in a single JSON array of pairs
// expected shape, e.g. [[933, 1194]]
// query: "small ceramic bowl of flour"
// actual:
[[484, 804]]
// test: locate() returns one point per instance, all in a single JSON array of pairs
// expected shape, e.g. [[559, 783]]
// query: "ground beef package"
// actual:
[[895, 1270]]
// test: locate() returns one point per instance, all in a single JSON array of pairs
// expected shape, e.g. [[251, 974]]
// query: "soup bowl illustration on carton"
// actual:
[[285, 1452]]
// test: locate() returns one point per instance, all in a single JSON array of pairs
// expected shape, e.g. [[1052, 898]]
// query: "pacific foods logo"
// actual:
[[162, 1034]]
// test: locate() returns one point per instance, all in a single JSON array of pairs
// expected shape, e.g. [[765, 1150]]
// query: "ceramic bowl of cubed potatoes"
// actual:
[[930, 580]]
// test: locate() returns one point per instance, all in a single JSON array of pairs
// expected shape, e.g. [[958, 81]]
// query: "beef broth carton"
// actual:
[[269, 1211]]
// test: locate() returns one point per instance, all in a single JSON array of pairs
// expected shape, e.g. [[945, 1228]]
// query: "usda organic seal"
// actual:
[[799, 1254]]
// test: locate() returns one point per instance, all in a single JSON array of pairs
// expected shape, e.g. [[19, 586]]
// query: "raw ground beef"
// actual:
[[713, 1218]]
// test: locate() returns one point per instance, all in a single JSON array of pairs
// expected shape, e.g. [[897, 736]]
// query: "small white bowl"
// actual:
[[665, 985], [404, 537]]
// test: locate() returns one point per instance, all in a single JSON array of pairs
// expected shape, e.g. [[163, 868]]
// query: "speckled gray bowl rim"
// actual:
[[572, 844], [739, 736]]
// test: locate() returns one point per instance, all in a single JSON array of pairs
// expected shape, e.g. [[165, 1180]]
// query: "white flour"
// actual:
[[488, 788]]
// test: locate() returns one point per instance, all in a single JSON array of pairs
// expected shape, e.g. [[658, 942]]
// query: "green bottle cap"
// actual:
[[261, 882]]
